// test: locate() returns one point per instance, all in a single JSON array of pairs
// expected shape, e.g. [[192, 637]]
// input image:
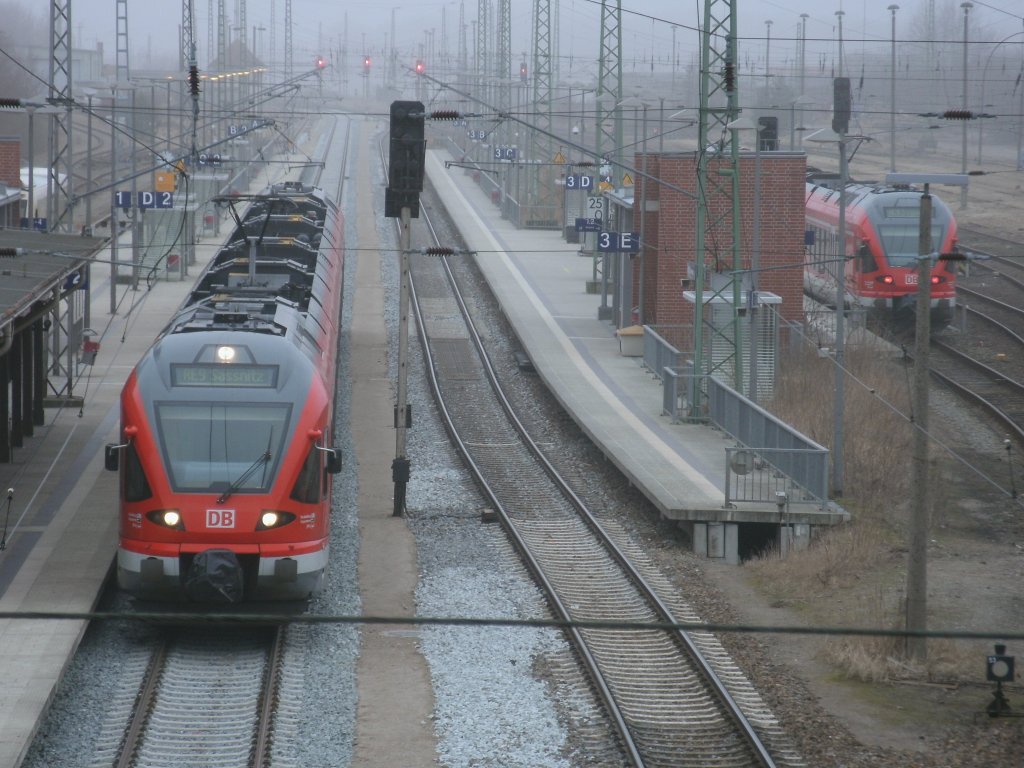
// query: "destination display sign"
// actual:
[[223, 375]]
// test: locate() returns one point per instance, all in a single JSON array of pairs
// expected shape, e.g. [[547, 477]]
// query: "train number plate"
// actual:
[[220, 518]]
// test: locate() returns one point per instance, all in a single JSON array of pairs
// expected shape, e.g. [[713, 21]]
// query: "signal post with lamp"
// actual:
[[999, 668]]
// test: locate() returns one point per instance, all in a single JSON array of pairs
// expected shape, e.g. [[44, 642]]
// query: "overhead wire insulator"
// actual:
[[193, 80], [444, 114], [438, 250], [10, 103], [958, 114]]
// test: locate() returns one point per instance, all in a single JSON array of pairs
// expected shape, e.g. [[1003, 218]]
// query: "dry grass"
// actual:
[[852, 575]]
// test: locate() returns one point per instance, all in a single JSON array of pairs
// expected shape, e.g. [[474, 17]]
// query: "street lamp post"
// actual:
[[839, 272], [803, 65], [892, 93], [963, 153]]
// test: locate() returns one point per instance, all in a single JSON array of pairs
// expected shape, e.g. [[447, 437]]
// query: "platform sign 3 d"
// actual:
[[612, 242], [579, 181]]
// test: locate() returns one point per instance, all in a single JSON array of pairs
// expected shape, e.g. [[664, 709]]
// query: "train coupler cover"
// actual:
[[215, 576]]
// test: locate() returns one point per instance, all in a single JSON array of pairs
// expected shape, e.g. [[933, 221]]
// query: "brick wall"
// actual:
[[671, 231], [10, 162]]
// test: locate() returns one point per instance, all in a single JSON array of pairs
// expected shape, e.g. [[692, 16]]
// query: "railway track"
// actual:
[[982, 357], [207, 698], [672, 698]]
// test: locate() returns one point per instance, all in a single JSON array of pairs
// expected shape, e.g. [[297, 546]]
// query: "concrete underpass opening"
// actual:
[[757, 540]]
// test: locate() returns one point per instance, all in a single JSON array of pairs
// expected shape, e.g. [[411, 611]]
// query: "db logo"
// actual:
[[220, 518]]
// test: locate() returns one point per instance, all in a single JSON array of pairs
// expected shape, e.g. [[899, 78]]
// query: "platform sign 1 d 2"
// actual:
[[613, 242], [147, 199]]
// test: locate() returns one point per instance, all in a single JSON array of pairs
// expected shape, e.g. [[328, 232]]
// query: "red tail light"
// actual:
[[886, 279]]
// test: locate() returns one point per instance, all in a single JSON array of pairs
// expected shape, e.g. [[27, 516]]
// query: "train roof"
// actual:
[[871, 197], [272, 274]]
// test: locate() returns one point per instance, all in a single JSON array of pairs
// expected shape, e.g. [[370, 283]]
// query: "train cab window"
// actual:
[[902, 241], [209, 446], [307, 485], [136, 486]]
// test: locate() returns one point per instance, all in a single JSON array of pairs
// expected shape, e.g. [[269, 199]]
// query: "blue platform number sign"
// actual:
[[579, 181], [588, 225], [612, 242], [505, 153], [156, 199], [123, 199]]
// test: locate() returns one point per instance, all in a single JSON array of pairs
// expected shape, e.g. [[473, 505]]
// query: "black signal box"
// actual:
[[408, 147]]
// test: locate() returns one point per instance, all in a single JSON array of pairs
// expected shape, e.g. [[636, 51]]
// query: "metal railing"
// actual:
[[772, 442], [780, 459]]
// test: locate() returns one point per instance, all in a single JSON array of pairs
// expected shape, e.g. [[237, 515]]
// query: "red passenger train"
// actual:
[[881, 249], [226, 457]]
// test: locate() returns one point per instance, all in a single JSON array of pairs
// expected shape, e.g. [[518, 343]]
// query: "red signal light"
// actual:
[[420, 68], [366, 63], [522, 72], [320, 63]]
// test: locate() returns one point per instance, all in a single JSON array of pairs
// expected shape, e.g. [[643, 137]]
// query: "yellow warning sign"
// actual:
[[606, 186], [559, 158], [627, 180], [164, 181]]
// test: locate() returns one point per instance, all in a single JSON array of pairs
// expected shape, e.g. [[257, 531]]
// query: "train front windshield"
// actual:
[[899, 231], [216, 446]]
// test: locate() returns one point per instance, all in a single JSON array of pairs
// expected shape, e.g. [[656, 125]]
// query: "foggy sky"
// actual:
[[319, 26]]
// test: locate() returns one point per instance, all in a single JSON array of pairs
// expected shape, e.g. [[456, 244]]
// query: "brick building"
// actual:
[[670, 232]]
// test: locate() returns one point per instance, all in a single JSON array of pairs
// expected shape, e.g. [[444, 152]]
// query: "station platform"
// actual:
[[540, 281]]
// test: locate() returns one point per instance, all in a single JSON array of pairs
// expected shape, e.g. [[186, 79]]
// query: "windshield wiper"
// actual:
[[263, 459]]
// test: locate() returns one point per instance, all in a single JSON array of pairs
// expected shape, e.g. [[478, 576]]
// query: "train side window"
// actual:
[[307, 486], [136, 486]]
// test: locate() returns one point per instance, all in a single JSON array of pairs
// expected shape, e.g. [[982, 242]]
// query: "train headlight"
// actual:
[[225, 354], [168, 518], [270, 518]]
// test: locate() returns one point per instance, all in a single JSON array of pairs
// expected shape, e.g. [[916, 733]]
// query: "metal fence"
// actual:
[[772, 459], [772, 443]]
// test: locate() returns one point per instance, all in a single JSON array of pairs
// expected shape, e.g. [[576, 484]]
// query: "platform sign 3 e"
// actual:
[[220, 518], [611, 242]]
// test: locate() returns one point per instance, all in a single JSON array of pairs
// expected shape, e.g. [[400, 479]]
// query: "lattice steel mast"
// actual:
[[58, 183], [609, 90], [718, 184], [288, 52]]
